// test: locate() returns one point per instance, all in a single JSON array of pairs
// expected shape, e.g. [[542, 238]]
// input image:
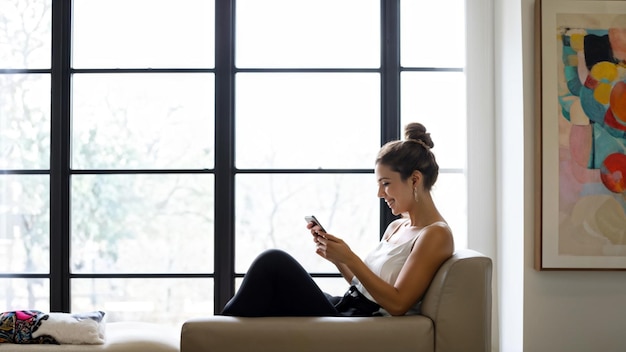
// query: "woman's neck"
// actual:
[[424, 213]]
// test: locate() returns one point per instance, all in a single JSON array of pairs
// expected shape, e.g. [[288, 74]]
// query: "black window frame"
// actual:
[[224, 171]]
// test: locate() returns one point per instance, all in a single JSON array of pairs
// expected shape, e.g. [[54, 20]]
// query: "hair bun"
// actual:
[[417, 132]]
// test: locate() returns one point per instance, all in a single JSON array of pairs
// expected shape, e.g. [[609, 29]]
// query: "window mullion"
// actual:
[[224, 155], [390, 83], [60, 158]]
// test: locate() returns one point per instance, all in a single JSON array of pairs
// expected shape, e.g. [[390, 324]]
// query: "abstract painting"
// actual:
[[582, 136]]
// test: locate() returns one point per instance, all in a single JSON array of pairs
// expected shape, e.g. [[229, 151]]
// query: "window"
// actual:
[[144, 166]]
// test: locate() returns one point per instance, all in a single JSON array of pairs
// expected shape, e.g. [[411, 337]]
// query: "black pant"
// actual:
[[277, 285]]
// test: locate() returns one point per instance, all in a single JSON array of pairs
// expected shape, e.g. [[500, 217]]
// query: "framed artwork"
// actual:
[[580, 137]]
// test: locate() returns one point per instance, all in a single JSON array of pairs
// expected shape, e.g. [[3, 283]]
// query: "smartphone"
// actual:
[[313, 219]]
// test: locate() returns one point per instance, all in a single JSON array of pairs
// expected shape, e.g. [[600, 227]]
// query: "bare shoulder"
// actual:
[[439, 228], [437, 238]]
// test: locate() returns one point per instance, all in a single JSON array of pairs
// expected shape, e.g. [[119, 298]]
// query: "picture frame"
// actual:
[[580, 135]]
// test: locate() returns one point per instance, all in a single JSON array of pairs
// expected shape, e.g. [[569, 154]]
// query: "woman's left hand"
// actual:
[[333, 248]]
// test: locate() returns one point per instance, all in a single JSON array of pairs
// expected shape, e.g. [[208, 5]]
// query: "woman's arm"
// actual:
[[345, 272], [433, 247]]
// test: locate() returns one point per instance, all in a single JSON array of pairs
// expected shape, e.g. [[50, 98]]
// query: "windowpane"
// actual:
[[25, 38], [143, 33], [270, 212], [308, 33], [24, 224], [432, 33], [24, 121], [142, 223], [165, 301], [136, 121], [437, 99], [24, 294], [333, 286], [311, 120]]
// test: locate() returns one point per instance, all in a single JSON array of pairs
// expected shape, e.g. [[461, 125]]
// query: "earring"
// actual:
[[415, 195]]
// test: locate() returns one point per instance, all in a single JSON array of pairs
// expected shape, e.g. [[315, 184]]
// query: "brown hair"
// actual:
[[411, 154]]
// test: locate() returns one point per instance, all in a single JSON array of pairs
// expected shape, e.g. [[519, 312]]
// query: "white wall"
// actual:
[[481, 132], [563, 311], [510, 155], [495, 157]]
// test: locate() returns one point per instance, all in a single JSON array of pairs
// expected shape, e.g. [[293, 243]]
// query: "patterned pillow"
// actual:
[[18, 327]]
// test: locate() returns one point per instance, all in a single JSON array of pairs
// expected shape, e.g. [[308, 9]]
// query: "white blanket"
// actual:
[[75, 329]]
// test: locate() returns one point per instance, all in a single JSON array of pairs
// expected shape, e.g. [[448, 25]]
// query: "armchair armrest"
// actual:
[[458, 301]]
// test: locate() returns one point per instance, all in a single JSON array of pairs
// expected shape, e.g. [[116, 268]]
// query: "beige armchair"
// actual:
[[456, 316]]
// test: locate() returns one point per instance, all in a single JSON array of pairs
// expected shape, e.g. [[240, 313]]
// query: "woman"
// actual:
[[393, 278]]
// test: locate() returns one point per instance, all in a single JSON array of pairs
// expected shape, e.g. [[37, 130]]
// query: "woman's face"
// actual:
[[397, 194]]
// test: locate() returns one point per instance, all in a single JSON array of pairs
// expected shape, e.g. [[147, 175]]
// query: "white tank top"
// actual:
[[386, 261]]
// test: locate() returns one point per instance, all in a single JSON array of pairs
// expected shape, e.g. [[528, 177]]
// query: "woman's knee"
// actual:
[[273, 255], [275, 260]]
